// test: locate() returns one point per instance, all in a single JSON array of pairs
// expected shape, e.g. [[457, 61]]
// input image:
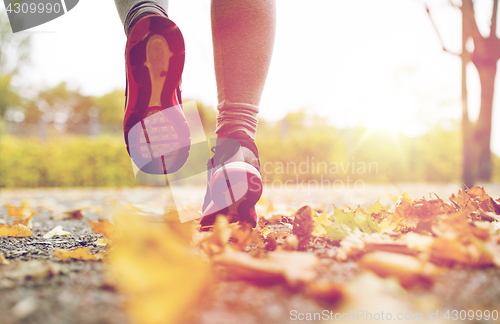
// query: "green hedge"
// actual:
[[64, 162]]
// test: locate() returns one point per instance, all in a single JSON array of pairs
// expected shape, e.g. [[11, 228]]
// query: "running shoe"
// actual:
[[155, 128], [234, 182]]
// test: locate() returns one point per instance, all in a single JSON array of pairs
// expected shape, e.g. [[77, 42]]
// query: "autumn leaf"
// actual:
[[58, 230], [13, 211], [365, 222], [341, 217], [456, 242], [24, 211], [104, 227], [78, 254], [157, 272], [403, 207], [337, 231], [486, 203], [293, 267], [3, 260], [304, 224], [321, 221], [407, 269], [376, 208], [24, 221], [18, 230], [215, 242], [270, 208]]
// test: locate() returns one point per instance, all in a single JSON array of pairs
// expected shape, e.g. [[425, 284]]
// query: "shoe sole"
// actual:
[[156, 131], [235, 188]]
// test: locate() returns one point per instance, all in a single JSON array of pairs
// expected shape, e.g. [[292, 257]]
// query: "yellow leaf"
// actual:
[[376, 208], [18, 230], [24, 211], [78, 254], [13, 211], [104, 227], [320, 221], [24, 221], [156, 271], [341, 217], [270, 208], [387, 225], [3, 260]]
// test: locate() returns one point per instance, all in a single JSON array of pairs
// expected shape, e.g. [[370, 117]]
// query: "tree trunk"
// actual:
[[467, 130], [487, 73]]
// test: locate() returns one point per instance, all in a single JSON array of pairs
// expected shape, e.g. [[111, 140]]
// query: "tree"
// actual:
[[14, 55], [477, 160]]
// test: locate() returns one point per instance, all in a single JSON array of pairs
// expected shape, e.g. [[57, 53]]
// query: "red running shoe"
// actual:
[[234, 182], [155, 128]]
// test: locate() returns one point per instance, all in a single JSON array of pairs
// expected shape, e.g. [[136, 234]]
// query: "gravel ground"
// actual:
[[37, 287]]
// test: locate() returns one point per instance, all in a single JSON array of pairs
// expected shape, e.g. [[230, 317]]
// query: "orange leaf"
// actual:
[[17, 230], [13, 211], [102, 226], [78, 254]]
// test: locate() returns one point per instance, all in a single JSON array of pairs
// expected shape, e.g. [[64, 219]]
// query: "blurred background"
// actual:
[[389, 91]]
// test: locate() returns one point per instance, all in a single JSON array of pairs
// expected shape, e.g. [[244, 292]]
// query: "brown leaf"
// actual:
[[304, 224], [458, 242]]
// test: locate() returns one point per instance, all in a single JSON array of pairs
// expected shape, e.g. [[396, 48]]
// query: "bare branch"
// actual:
[[438, 33], [453, 4], [469, 21], [493, 26]]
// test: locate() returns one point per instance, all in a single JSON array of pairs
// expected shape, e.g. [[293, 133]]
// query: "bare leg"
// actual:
[[243, 37]]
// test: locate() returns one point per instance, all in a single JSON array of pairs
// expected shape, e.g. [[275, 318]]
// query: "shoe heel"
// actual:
[[237, 186]]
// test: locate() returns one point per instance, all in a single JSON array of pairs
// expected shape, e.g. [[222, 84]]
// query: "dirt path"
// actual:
[[37, 287]]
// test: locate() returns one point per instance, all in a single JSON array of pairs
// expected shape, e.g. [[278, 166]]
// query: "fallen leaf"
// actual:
[[18, 230], [13, 211], [24, 221], [3, 260], [34, 269], [293, 267], [326, 291], [156, 271], [58, 230], [78, 254], [102, 242], [216, 242], [270, 208], [304, 224], [407, 269], [321, 221], [104, 227]]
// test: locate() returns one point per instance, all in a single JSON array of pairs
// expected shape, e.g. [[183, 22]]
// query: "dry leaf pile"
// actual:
[[165, 267]]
